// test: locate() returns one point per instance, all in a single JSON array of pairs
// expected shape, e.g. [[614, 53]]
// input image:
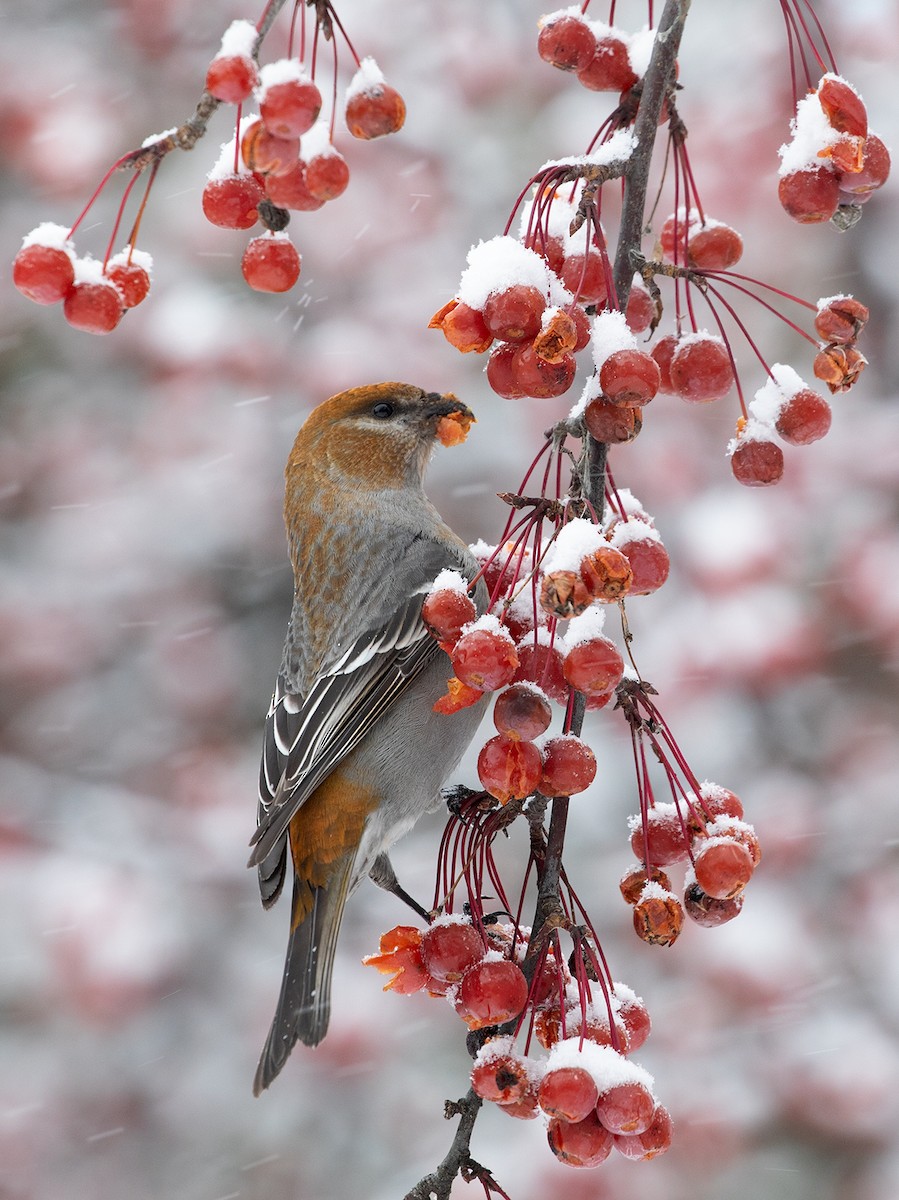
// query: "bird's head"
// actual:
[[377, 436]]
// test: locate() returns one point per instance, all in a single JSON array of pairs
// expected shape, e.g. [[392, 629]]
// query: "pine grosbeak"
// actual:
[[353, 752]]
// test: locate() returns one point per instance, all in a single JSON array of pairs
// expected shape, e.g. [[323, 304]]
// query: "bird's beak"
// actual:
[[442, 406]]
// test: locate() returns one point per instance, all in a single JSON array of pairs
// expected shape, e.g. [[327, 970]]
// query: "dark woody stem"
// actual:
[[546, 848]]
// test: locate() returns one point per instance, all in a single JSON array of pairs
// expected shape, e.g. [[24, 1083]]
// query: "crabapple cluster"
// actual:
[[283, 160], [94, 295], [832, 158], [476, 967], [708, 830], [604, 58], [592, 1097], [517, 650]]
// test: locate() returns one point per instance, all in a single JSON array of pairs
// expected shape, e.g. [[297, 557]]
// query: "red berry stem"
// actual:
[[118, 220]]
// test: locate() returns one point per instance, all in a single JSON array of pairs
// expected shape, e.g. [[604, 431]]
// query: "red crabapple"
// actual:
[[663, 832], [626, 1108], [373, 107], [756, 462], [290, 190], [131, 278], [569, 766], [522, 709], [265, 152], [232, 201], [649, 562], [804, 417], [449, 948], [231, 78], [723, 868], [327, 175], [566, 42], [271, 263], [542, 665], [445, 612], [705, 910], [568, 1093], [584, 1143], [607, 422], [593, 666], [585, 277], [491, 992], [93, 307], [609, 70], [843, 106], [874, 173], [701, 368], [539, 378], [502, 1077], [810, 195], [500, 374], [510, 767], [654, 1140], [641, 309], [715, 247], [287, 108], [663, 352], [514, 314], [45, 274], [629, 378], [485, 658]]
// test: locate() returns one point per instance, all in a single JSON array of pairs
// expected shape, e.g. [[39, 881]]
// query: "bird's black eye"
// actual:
[[383, 411]]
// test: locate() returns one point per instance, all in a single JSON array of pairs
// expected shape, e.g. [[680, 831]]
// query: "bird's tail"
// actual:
[[304, 1005]]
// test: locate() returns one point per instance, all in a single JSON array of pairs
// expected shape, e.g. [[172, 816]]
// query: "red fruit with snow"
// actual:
[[271, 263], [491, 993]]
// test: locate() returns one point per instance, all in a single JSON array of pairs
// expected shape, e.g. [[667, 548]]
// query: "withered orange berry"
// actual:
[[607, 574], [634, 880], [564, 594], [658, 919], [458, 696], [558, 337], [839, 366], [841, 319]]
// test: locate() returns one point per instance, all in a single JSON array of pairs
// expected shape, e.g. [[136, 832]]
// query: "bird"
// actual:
[[353, 753]]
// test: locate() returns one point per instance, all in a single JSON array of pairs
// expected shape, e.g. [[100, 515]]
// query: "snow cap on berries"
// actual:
[[607, 1067], [368, 78], [811, 133], [584, 628], [140, 258], [238, 40], [497, 264], [223, 167], [576, 539], [633, 530], [753, 430], [449, 581], [611, 332], [490, 624], [54, 237], [783, 383]]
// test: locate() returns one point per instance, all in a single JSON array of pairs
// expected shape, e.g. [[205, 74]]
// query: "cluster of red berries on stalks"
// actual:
[[706, 828], [832, 158], [592, 1097], [280, 161], [604, 58], [517, 651], [283, 160], [94, 295]]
